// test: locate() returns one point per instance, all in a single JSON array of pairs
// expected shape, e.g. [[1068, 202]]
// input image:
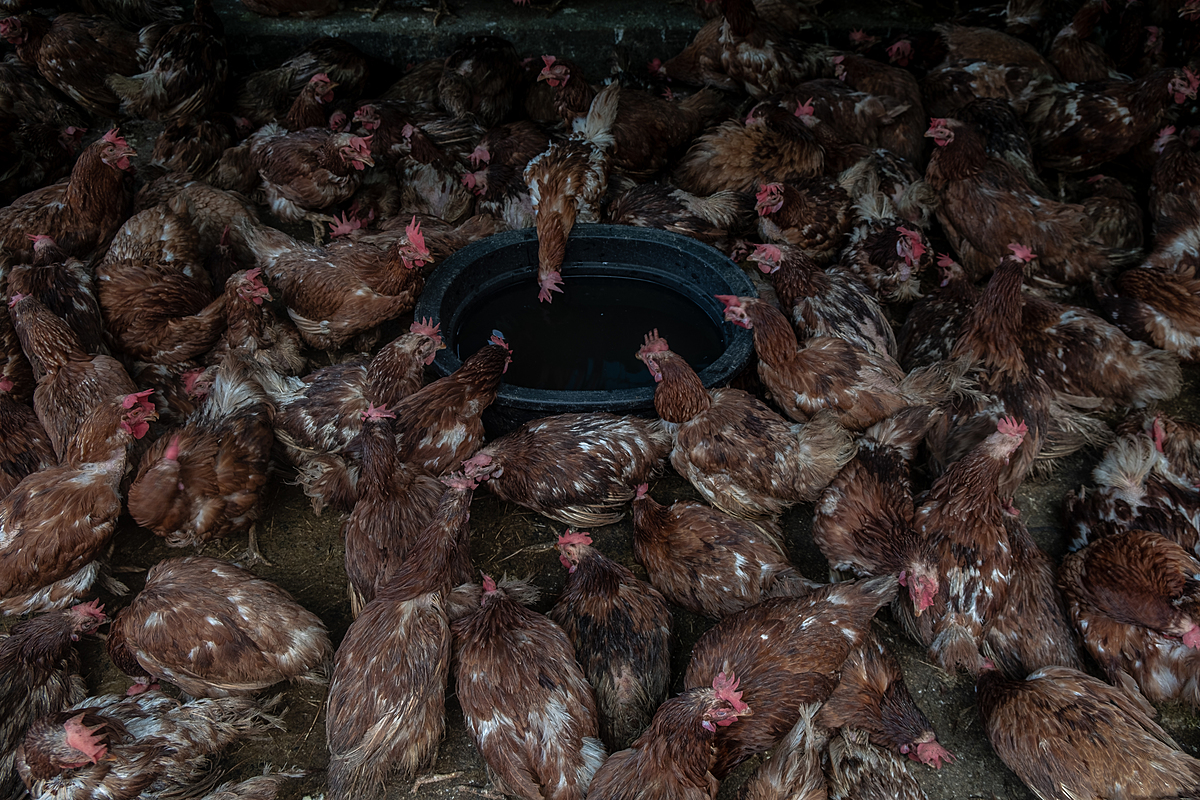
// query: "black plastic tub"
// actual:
[[632, 257]]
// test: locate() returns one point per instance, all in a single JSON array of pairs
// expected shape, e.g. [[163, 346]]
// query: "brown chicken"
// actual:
[[872, 697], [931, 328], [82, 214], [739, 454], [255, 333], [771, 146], [195, 145], [1177, 439], [1134, 599], [1077, 57], [865, 521], [860, 386], [793, 770], [858, 770], [306, 172], [1174, 186], [70, 382], [1077, 127], [579, 469], [75, 53], [698, 64], [1115, 212], [1096, 361], [184, 73], [712, 220], [620, 627], [439, 426], [395, 504], [40, 669], [203, 481], [566, 184], [886, 253], [788, 652], [968, 180], [156, 295], [811, 214], [961, 518], [149, 746], [1031, 630], [710, 563], [267, 94], [1135, 489], [374, 724], [67, 288], [674, 757], [337, 292], [514, 664], [24, 446], [762, 59], [480, 78], [1067, 734], [318, 416], [825, 302], [58, 522], [648, 132], [215, 630], [1156, 302]]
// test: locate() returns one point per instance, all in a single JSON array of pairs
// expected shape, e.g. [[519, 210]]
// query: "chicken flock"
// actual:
[[977, 249]]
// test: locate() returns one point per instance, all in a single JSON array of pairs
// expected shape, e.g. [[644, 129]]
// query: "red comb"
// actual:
[[1022, 252], [574, 537], [16, 298], [377, 412], [497, 338], [805, 110], [730, 300], [362, 144], [93, 609], [1010, 427], [415, 237], [426, 327], [726, 689], [768, 191], [654, 343], [114, 137], [549, 60], [489, 585], [320, 76], [172, 451], [946, 260], [642, 490], [138, 399]]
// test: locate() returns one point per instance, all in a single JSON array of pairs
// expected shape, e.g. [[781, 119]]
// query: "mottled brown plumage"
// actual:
[[825, 302], [739, 454], [480, 78], [57, 523], [203, 481], [620, 627], [439, 426], [70, 383], [708, 562], [215, 630], [66, 286], [1136, 602], [580, 469], [157, 298], [809, 213], [787, 652], [82, 214], [39, 669], [865, 519], [713, 220], [872, 697], [674, 757], [386, 706], [1067, 734], [514, 664]]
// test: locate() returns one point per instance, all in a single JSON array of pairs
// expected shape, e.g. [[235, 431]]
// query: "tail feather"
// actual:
[[705, 104], [729, 210], [955, 647], [790, 583], [825, 448], [597, 128], [127, 87]]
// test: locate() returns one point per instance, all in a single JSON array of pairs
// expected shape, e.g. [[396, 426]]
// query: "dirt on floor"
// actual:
[[306, 554]]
